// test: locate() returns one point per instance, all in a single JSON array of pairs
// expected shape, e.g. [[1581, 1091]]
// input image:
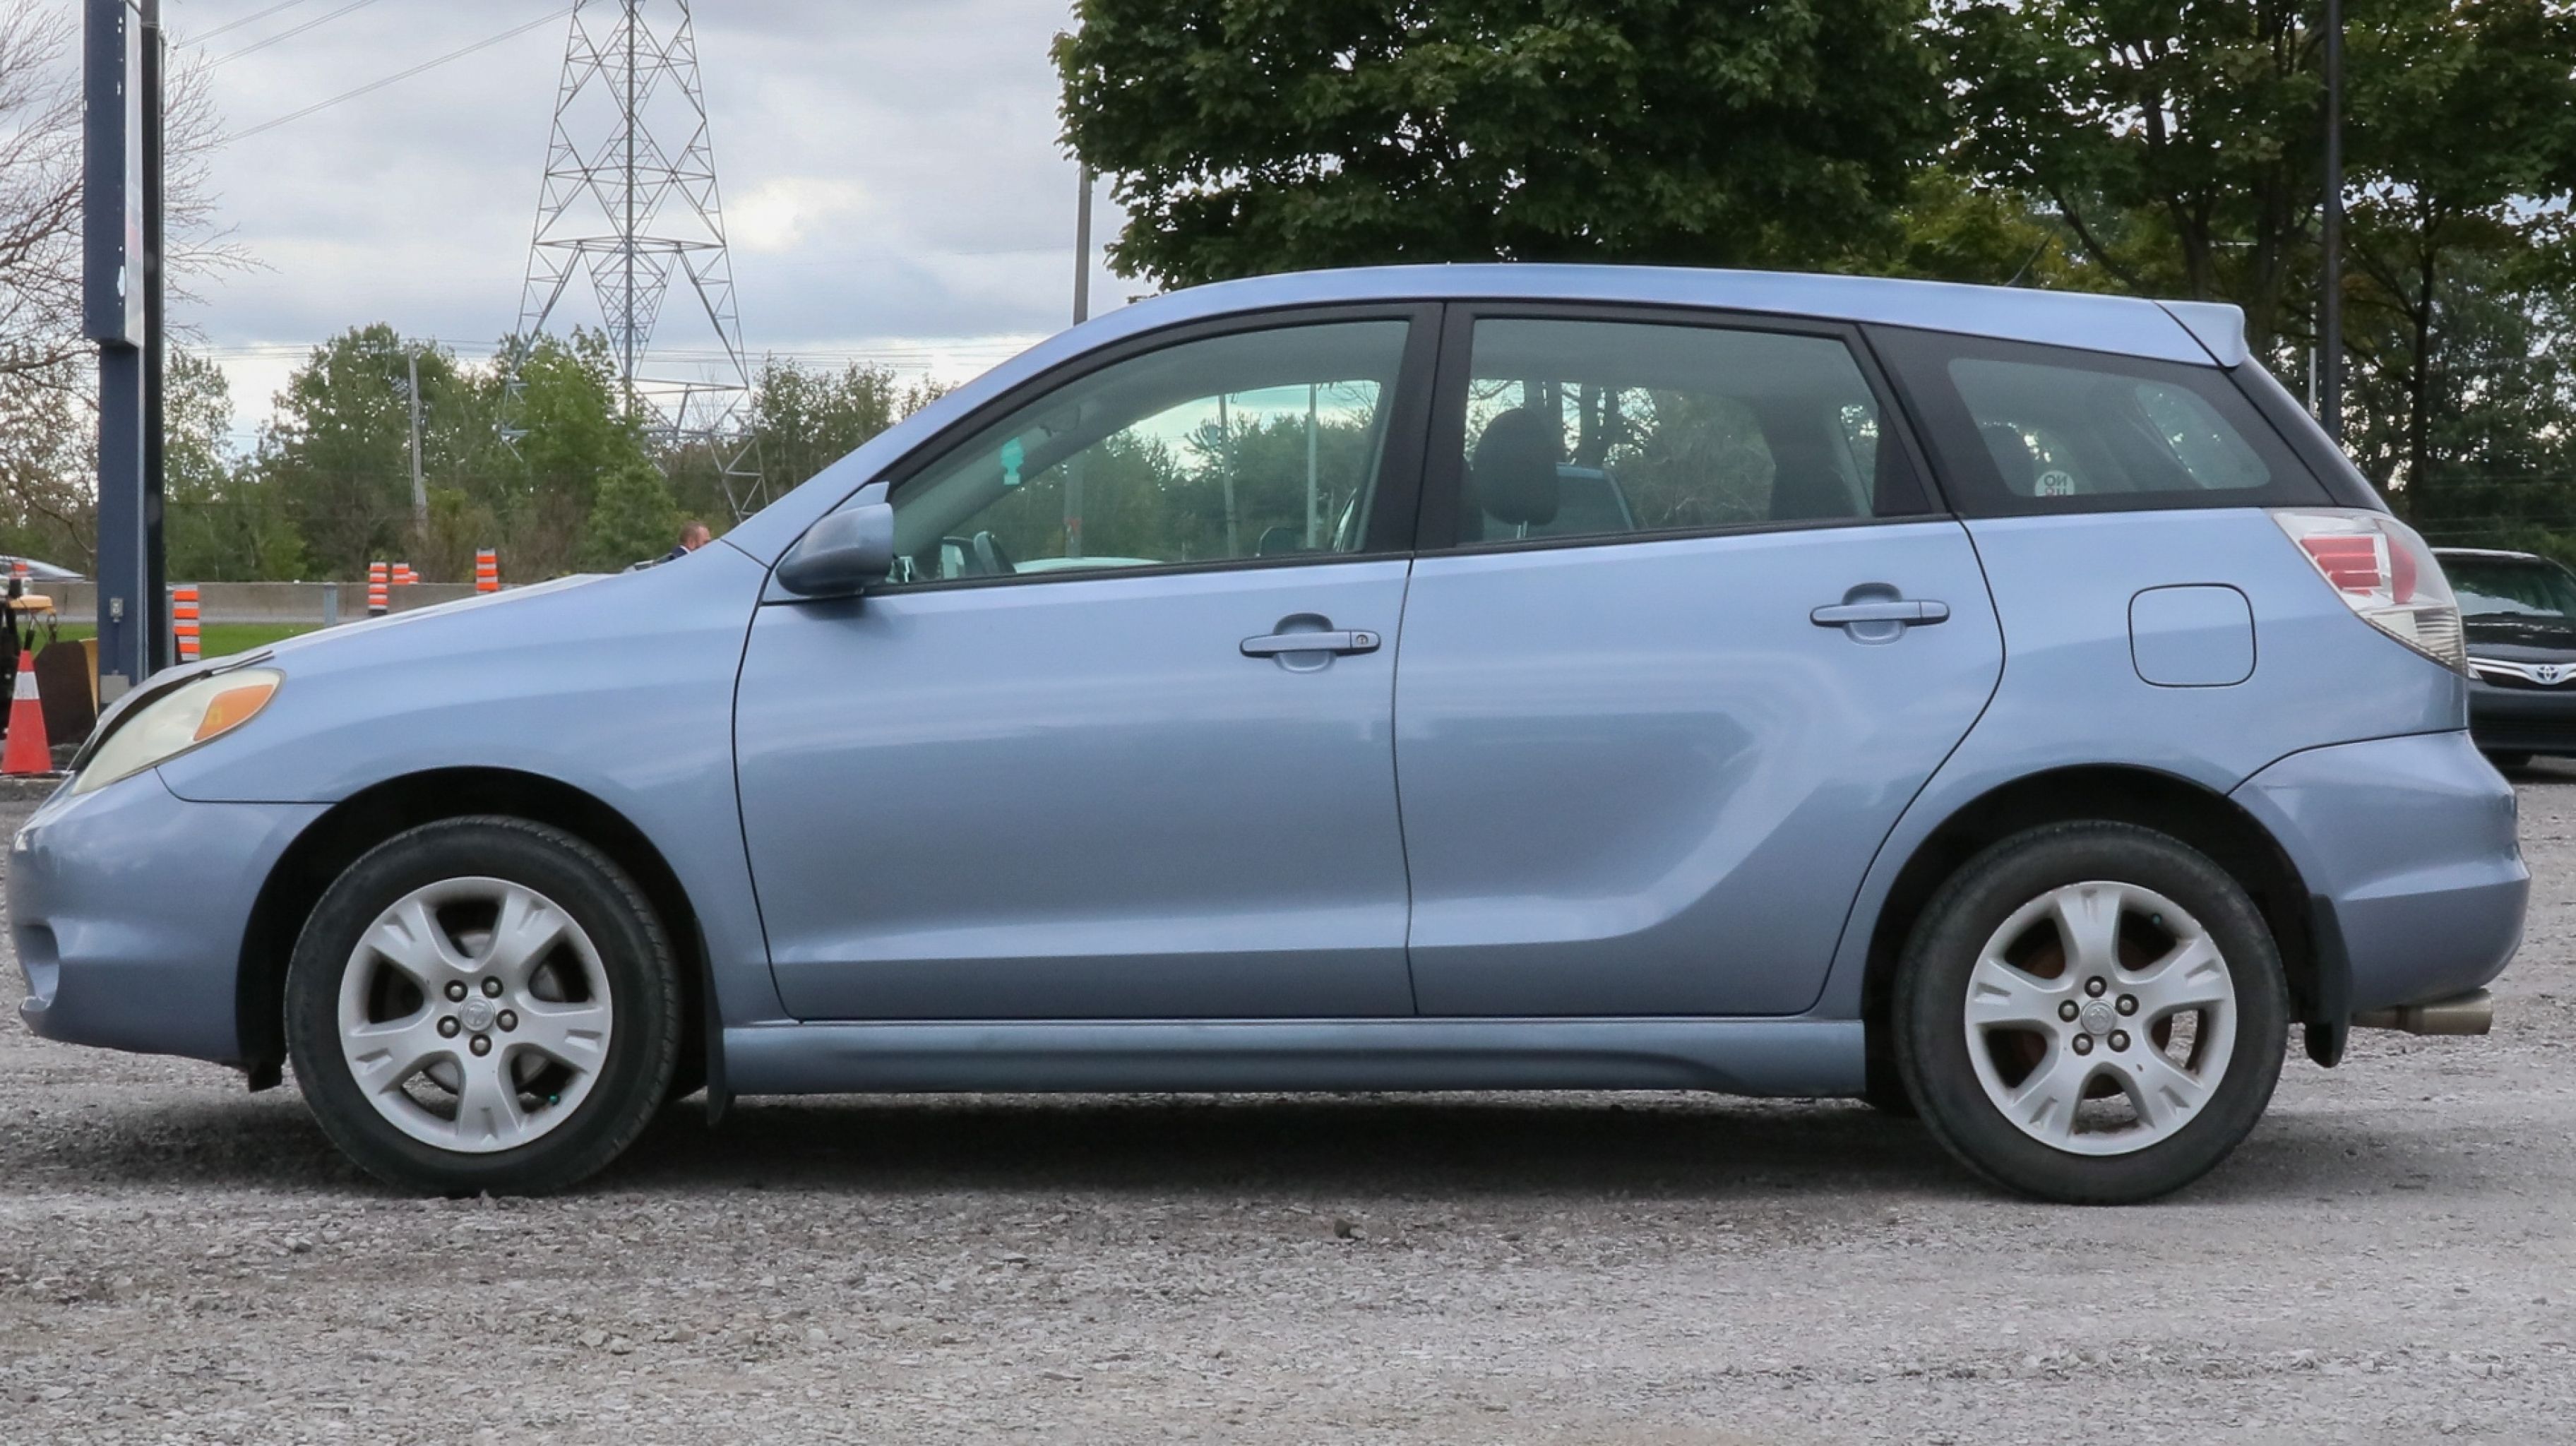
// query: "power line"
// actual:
[[251, 19], [290, 33], [549, 18]]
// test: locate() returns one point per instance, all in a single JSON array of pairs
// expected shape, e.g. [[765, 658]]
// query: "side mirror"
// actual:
[[845, 553]]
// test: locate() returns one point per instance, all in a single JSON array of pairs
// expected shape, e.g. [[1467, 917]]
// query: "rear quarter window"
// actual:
[[2017, 429]]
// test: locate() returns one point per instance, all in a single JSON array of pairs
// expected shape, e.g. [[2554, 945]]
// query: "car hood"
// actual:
[[358, 643], [318, 646], [571, 680]]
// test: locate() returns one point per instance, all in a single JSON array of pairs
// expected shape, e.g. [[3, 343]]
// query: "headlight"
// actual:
[[197, 712]]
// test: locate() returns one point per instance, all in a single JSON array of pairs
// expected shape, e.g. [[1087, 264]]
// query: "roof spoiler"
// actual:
[[2216, 325]]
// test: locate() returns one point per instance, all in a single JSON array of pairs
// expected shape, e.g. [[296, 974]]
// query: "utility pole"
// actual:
[[419, 489], [1082, 250], [2330, 282], [120, 204], [160, 649]]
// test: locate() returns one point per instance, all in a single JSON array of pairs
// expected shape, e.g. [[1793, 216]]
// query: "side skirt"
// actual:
[[1795, 1057]]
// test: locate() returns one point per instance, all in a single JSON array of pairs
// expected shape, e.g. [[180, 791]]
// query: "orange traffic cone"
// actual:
[[27, 751]]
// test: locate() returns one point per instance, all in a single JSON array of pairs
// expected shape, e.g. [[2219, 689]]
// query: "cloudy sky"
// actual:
[[891, 174]]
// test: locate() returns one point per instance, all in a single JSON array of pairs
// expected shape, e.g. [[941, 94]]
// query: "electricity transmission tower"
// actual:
[[631, 203]]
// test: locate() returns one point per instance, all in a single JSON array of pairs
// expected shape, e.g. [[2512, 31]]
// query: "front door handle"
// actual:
[[1902, 611], [1344, 642]]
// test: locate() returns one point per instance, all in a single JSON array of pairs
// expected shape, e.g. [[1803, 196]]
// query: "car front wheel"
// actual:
[[2091, 1013], [483, 1004]]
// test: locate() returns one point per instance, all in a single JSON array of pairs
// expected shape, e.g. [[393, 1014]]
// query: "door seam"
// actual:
[[1395, 774]]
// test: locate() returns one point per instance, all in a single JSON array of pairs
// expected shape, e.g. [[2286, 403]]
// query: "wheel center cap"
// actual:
[[476, 1014], [2099, 1017]]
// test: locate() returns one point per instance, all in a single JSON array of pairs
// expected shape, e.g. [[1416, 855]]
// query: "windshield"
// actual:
[[2496, 589]]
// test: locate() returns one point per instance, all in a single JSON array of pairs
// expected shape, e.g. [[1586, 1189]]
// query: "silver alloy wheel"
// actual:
[[475, 1014], [2094, 996]]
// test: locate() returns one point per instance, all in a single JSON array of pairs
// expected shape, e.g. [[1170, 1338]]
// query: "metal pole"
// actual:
[[419, 489], [1082, 251], [2330, 283], [160, 650], [114, 315]]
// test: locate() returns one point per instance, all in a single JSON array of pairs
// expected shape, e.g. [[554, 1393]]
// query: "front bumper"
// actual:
[[2412, 843], [2523, 720], [128, 907]]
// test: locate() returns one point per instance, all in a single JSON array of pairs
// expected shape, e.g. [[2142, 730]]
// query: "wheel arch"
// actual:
[[2209, 821], [365, 819]]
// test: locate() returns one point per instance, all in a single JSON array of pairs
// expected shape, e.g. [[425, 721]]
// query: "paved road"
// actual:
[[2389, 1259]]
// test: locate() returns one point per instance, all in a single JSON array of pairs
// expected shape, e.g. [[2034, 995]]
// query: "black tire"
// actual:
[[1931, 993], [1885, 1092], [635, 1071], [2507, 759]]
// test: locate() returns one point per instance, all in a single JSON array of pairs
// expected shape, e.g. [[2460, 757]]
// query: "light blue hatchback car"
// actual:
[[2000, 706]]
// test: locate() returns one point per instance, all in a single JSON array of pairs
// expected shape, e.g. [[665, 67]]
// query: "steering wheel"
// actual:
[[990, 559]]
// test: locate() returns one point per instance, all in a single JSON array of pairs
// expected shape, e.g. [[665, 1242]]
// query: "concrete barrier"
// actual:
[[279, 603]]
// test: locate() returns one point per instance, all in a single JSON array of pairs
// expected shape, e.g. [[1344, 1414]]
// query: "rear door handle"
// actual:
[[1344, 642], [1881, 610]]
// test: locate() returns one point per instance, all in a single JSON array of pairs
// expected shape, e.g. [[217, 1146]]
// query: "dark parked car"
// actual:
[[2520, 615]]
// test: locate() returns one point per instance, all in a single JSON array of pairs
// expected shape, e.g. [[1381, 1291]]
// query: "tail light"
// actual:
[[2384, 572]]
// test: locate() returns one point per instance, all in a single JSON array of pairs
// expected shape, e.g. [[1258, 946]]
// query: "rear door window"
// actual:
[[2020, 429], [1605, 430]]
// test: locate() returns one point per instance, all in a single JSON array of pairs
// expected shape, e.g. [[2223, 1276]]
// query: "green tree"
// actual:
[[2467, 150], [2177, 146], [1246, 138], [1955, 228], [576, 433], [337, 455], [220, 522], [807, 420], [2497, 403], [632, 518], [2178, 141], [338, 450]]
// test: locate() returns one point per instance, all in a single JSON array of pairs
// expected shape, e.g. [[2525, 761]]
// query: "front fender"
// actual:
[[620, 688]]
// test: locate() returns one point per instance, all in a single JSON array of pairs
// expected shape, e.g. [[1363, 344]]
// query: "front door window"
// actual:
[[1257, 445]]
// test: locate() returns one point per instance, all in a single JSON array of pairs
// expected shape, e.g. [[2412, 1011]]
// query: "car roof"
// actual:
[[2200, 332]]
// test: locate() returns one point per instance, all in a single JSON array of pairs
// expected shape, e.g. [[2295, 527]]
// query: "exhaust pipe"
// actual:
[[2470, 1013]]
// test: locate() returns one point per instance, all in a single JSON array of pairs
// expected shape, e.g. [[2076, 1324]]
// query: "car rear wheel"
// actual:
[[2508, 759], [483, 1004], [2091, 1013]]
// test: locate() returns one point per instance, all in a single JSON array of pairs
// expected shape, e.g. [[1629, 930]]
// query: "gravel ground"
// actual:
[[2388, 1259]]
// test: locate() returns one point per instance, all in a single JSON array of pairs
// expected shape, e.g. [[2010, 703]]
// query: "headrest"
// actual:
[[1515, 467]]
